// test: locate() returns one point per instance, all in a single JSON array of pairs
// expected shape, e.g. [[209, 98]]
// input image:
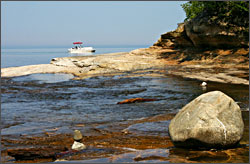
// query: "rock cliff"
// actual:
[[199, 40], [208, 38], [206, 31]]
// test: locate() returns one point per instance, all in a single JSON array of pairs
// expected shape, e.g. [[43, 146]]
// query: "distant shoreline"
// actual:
[[68, 46]]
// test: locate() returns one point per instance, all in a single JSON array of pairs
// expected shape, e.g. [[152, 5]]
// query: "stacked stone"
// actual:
[[77, 145]]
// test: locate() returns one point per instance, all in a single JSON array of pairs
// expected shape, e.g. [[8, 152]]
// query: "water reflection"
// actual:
[[82, 54]]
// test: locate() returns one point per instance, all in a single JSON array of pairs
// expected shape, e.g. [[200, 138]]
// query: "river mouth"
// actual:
[[41, 104]]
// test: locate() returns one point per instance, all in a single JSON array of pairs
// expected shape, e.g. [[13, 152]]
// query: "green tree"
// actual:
[[230, 9]]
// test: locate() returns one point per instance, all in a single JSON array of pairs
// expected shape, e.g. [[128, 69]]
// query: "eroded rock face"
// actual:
[[206, 31], [212, 120], [202, 33], [174, 39]]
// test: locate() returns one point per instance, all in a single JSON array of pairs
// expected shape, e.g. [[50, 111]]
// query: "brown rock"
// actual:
[[35, 153], [133, 100], [177, 38], [205, 33]]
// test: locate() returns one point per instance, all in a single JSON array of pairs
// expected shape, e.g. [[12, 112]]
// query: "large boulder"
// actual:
[[212, 120]]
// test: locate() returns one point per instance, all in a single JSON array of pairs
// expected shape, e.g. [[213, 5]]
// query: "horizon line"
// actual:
[[64, 46]]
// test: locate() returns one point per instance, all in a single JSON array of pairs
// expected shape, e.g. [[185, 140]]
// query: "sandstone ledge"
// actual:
[[87, 66], [140, 62], [217, 65]]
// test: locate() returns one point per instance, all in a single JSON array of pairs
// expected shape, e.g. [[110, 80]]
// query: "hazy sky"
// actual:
[[95, 23]]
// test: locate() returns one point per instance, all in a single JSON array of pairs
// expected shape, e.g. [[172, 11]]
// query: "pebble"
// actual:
[[203, 83], [78, 146], [77, 135]]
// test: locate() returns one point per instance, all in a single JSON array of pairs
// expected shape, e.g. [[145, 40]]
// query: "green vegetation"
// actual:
[[222, 9]]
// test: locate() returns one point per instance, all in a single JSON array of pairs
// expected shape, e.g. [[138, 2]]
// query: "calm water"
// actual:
[[30, 56], [34, 103]]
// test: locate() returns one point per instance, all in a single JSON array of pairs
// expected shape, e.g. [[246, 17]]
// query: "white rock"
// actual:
[[78, 146], [203, 83]]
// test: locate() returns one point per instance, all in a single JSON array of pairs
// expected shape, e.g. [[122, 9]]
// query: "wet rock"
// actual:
[[78, 146], [212, 120], [35, 153], [77, 135], [133, 100]]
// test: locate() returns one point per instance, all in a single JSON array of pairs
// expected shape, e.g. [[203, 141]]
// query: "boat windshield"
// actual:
[[77, 46]]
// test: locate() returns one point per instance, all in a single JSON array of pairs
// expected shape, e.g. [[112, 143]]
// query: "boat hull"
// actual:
[[81, 50]]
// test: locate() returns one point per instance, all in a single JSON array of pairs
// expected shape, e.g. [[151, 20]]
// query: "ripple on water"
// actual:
[[150, 128], [58, 99]]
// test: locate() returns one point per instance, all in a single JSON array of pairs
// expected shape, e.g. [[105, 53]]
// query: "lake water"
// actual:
[[36, 103], [29, 56]]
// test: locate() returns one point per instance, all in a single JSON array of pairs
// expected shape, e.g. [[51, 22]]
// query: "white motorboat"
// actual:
[[79, 49]]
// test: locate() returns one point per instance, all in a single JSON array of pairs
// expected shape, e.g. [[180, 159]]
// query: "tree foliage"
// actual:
[[230, 9]]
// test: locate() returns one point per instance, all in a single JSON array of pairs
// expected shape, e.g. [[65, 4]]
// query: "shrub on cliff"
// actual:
[[235, 12]]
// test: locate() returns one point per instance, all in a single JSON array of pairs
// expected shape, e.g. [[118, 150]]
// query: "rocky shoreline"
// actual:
[[119, 142], [85, 66], [138, 63], [178, 52], [196, 49]]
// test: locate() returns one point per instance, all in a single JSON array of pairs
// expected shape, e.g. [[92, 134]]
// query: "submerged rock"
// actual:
[[133, 100], [36, 153], [212, 120]]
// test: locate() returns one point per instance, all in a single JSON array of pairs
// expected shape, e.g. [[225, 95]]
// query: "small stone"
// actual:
[[80, 125], [77, 135], [203, 83], [78, 146]]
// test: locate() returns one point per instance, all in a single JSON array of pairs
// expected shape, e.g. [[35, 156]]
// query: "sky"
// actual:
[[59, 23]]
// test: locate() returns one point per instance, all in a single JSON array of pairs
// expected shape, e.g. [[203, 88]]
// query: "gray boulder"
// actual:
[[212, 120]]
